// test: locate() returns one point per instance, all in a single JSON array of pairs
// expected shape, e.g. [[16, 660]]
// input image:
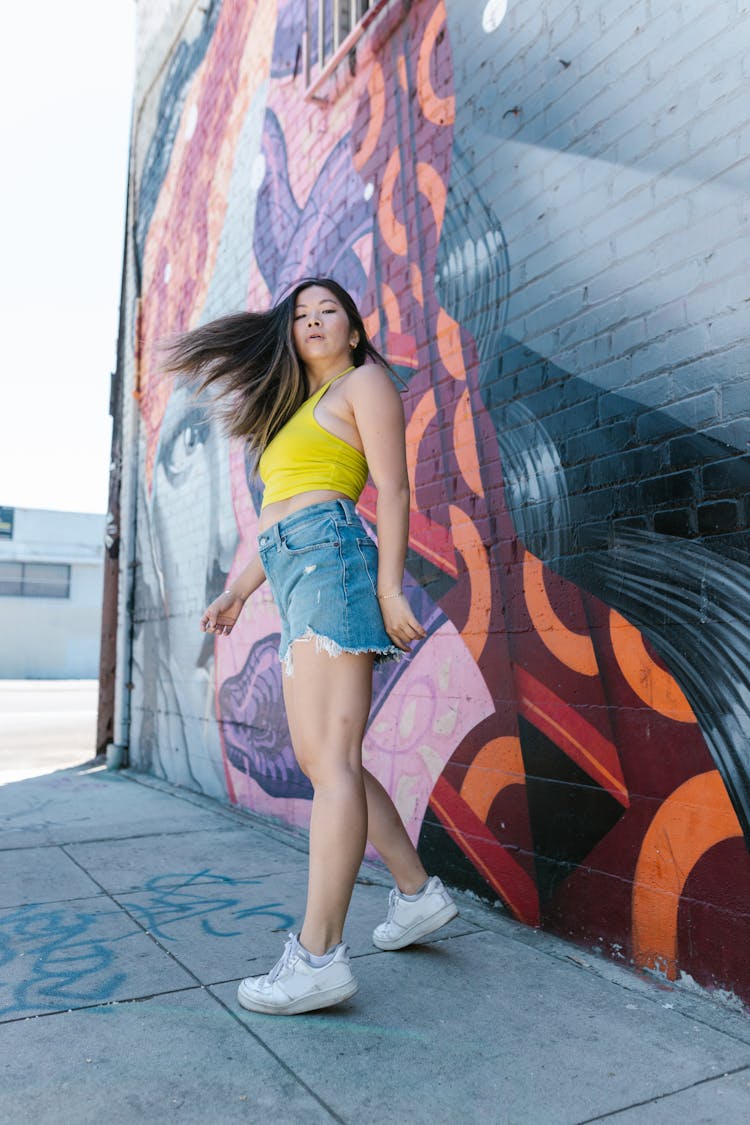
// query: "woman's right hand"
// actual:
[[221, 616], [400, 623]]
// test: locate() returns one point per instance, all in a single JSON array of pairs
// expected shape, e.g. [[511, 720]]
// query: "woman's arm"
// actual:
[[379, 417], [221, 616]]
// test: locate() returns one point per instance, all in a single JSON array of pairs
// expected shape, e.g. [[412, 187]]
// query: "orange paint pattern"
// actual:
[[440, 111], [449, 345], [497, 765], [696, 817], [391, 228], [492, 861], [422, 415], [376, 91], [432, 187], [575, 650], [472, 550], [415, 276], [389, 301], [650, 683], [372, 323], [465, 444]]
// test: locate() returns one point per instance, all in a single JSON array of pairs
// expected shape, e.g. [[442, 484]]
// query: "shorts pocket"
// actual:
[[314, 535], [369, 555]]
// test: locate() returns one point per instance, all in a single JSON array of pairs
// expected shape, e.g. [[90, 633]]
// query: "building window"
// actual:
[[332, 28], [34, 580], [336, 18]]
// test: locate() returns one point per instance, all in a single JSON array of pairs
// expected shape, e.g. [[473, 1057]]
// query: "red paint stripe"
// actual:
[[491, 859], [565, 726], [401, 349]]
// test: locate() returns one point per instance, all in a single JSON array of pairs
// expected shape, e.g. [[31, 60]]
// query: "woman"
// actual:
[[303, 385]]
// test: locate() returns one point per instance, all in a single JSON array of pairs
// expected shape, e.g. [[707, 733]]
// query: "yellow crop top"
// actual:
[[304, 457]]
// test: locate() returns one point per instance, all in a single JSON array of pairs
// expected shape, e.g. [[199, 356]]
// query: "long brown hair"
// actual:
[[249, 362]]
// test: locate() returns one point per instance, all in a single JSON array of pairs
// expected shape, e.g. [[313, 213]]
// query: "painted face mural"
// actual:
[[571, 736]]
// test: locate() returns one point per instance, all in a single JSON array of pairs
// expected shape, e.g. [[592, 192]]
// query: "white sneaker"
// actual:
[[294, 985], [411, 919]]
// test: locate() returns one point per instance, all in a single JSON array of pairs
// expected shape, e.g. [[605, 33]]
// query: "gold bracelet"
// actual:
[[384, 597]]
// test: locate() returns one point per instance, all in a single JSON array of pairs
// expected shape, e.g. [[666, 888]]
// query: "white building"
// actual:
[[51, 572]]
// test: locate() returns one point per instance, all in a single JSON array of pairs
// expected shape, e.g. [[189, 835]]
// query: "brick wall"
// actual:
[[540, 209]]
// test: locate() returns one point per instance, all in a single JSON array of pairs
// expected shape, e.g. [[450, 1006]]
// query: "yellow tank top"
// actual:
[[305, 457]]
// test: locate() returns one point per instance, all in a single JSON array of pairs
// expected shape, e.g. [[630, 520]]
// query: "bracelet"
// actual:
[[234, 596], [384, 597]]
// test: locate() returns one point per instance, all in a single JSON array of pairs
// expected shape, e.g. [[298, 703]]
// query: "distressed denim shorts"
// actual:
[[322, 568]]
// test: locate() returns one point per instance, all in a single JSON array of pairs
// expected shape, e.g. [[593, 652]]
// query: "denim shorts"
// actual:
[[322, 568]]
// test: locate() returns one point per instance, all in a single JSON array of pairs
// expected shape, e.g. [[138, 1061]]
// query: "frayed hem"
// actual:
[[333, 648]]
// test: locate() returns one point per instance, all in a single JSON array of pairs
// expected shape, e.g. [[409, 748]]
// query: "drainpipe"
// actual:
[[112, 537], [117, 752]]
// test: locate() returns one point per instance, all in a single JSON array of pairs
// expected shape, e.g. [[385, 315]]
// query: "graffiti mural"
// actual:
[[571, 737], [62, 955]]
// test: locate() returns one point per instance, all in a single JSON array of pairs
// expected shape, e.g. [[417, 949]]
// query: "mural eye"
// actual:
[[189, 436]]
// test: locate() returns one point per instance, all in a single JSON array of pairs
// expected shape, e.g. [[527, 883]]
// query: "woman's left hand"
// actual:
[[221, 615], [400, 623]]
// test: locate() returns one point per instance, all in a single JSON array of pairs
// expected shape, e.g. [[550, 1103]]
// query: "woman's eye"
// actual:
[[183, 448], [184, 445]]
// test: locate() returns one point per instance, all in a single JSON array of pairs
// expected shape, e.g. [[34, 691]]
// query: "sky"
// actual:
[[66, 81]]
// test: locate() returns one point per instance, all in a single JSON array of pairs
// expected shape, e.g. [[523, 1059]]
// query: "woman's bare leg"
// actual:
[[387, 834], [328, 703]]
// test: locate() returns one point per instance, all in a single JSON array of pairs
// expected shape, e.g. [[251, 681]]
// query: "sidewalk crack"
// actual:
[[663, 1097]]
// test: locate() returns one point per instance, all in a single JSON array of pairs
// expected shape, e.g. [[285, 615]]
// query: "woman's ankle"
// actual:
[[316, 944], [414, 884]]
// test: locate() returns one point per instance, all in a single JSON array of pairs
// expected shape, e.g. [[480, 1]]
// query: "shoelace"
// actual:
[[393, 898], [290, 952]]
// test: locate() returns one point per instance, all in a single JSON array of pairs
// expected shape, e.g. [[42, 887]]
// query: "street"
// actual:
[[45, 725]]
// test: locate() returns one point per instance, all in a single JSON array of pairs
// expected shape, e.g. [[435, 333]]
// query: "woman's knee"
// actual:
[[325, 745], [327, 767]]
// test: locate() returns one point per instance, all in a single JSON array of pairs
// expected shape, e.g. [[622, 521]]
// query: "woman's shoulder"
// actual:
[[371, 378], [372, 393]]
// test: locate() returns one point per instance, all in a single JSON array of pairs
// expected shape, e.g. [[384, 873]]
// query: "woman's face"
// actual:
[[322, 334]]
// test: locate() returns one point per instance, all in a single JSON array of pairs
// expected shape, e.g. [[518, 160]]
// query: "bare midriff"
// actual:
[[280, 509]]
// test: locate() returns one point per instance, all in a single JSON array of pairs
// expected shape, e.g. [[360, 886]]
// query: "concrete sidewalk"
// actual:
[[129, 910]]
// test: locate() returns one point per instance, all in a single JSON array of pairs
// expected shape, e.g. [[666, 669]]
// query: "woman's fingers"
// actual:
[[217, 617], [398, 642], [410, 626], [222, 628], [403, 633], [211, 624]]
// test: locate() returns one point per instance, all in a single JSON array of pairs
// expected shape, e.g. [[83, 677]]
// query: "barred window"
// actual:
[[34, 580], [332, 29]]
